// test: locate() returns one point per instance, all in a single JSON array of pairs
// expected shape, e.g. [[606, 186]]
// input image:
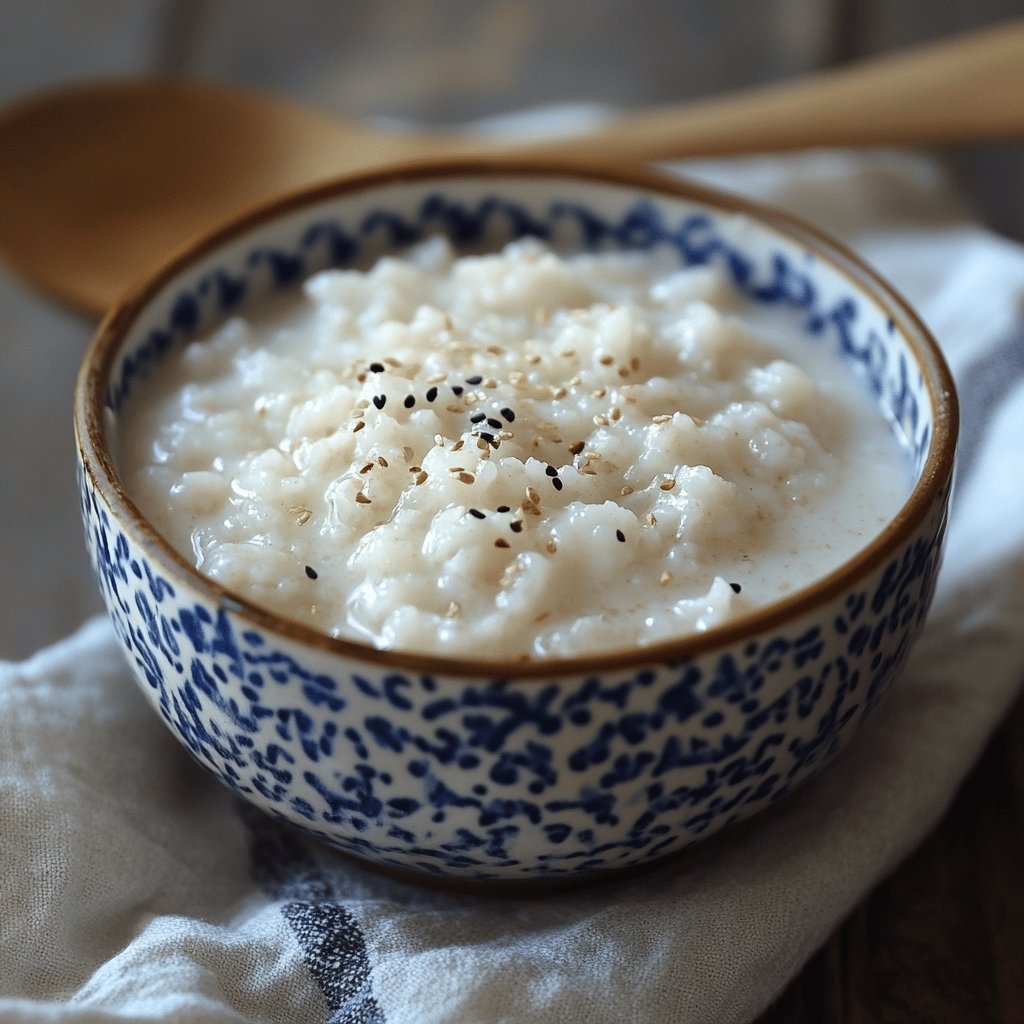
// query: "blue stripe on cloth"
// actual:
[[332, 944], [982, 385], [334, 951]]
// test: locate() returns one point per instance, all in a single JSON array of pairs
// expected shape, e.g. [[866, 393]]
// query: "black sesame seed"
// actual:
[[311, 572], [489, 438], [431, 394], [508, 414], [457, 389], [551, 471], [379, 400], [474, 380], [476, 513], [503, 508], [516, 526], [497, 424], [620, 536], [557, 484], [478, 417], [736, 588], [410, 401], [376, 367]]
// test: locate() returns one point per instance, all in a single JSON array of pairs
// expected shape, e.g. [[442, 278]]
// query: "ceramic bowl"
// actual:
[[512, 772]]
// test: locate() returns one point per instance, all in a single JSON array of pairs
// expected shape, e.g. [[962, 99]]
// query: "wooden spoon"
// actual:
[[99, 182]]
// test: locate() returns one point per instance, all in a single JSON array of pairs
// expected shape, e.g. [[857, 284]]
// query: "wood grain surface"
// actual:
[[942, 939]]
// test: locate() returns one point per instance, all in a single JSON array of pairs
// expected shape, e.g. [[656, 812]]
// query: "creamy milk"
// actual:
[[515, 455]]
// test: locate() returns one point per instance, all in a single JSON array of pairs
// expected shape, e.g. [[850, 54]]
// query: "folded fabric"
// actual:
[[136, 888]]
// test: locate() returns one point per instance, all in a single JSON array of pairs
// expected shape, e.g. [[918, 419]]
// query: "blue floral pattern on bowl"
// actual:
[[576, 769]]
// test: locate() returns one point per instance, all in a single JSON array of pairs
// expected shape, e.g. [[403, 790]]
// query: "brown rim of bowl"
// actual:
[[91, 391]]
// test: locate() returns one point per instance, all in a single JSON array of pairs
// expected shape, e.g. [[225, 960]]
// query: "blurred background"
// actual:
[[441, 63]]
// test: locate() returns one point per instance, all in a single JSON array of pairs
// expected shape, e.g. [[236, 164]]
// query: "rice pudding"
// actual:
[[517, 455]]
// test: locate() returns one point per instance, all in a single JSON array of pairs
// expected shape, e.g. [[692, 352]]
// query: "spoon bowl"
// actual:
[[100, 179]]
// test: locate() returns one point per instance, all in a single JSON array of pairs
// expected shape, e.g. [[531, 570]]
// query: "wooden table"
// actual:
[[942, 939]]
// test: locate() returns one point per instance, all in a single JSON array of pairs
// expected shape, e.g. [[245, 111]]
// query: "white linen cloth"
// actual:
[[134, 887]]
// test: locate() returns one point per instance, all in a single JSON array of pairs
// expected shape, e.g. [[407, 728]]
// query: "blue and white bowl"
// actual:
[[505, 772]]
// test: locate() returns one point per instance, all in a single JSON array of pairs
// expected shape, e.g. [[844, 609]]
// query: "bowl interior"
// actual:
[[832, 301]]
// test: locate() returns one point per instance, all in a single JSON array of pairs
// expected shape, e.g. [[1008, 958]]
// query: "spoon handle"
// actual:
[[964, 89]]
